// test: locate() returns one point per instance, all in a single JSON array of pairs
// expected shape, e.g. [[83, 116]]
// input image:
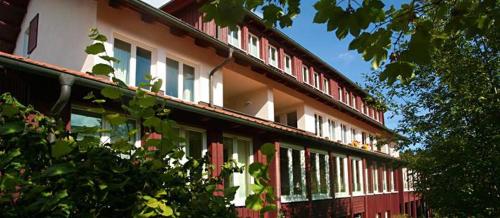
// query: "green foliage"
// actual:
[[406, 33], [46, 171], [449, 113]]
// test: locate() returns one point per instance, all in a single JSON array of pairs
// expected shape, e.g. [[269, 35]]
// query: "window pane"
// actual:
[[188, 85], [172, 77], [291, 119], [284, 172], [228, 155], [314, 171], [297, 172], [243, 147], [123, 131], [342, 174], [83, 119], [195, 143], [143, 67], [323, 176], [121, 51]]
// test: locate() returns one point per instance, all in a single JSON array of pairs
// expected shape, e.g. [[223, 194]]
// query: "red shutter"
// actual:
[[33, 34]]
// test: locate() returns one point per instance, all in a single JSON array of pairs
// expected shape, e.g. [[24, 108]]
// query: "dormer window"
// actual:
[[288, 64], [326, 86], [316, 80], [234, 37], [253, 45], [305, 74], [273, 56]]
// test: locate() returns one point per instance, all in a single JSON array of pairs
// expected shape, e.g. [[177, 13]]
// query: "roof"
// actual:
[[175, 5], [30, 66]]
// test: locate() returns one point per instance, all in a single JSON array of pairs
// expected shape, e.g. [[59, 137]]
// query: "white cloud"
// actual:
[[346, 57]]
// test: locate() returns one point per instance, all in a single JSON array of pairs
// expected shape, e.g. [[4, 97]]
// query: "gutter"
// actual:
[[212, 72], [31, 68]]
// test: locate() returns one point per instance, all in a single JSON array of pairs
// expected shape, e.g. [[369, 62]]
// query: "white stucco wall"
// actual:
[[257, 103], [62, 32]]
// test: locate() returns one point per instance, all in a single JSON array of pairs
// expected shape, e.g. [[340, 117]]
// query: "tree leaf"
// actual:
[[60, 169], [12, 127], [111, 92], [102, 69], [95, 48], [61, 148], [268, 149]]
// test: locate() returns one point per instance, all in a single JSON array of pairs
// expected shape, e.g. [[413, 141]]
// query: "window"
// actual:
[[343, 133], [291, 119], [326, 86], [316, 80], [353, 135], [320, 175], [142, 66], [363, 138], [195, 144], [81, 118], [341, 187], [357, 176], [273, 56], [31, 36], [347, 98], [292, 170], [384, 180], [318, 125], [405, 180], [353, 101], [288, 64], [305, 74], [331, 129], [391, 180], [253, 45], [129, 54], [363, 107], [341, 95], [234, 37], [240, 150], [121, 51], [375, 178], [180, 78], [376, 115]]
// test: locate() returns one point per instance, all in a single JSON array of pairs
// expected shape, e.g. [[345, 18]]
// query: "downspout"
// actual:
[[66, 82], [212, 72]]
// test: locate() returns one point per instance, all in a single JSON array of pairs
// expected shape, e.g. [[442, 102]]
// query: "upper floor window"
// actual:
[[353, 135], [347, 98], [357, 176], [240, 150], [273, 56], [291, 119], [341, 95], [326, 86], [180, 78], [320, 174], [384, 180], [316, 80], [305, 74], [363, 107], [253, 45], [343, 133], [405, 179], [234, 37], [354, 102], [288, 64], [375, 178], [292, 171], [363, 138], [318, 125], [376, 116], [341, 187], [331, 129], [123, 51], [391, 180]]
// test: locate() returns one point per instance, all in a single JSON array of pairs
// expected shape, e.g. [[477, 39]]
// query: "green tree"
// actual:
[[396, 39], [46, 171]]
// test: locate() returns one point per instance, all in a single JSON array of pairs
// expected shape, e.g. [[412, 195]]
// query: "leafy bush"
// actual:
[[47, 171]]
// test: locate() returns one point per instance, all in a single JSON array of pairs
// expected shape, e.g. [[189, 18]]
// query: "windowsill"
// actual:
[[321, 197], [342, 195], [355, 194], [291, 199]]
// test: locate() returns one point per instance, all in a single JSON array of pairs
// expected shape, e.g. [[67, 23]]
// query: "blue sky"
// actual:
[[324, 44]]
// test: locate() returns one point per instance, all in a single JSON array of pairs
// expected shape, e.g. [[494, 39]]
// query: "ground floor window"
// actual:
[[320, 174], [341, 185], [292, 171], [240, 150], [357, 176]]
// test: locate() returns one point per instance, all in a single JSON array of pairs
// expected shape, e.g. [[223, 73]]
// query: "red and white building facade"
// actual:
[[230, 92]]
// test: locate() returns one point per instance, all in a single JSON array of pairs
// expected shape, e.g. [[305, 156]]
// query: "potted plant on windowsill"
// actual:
[[356, 144], [366, 147]]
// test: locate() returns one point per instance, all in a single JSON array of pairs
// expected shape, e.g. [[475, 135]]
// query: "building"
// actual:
[[230, 91]]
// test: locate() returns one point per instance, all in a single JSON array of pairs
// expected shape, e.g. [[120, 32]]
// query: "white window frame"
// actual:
[[250, 50], [354, 102], [391, 181], [236, 177], [343, 133], [286, 59], [269, 56], [348, 98], [318, 125], [230, 39], [346, 175], [331, 129], [134, 43], [180, 83], [384, 180], [360, 169], [305, 74], [375, 178], [326, 86], [405, 179], [316, 79], [341, 95], [182, 134], [292, 197], [317, 196]]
